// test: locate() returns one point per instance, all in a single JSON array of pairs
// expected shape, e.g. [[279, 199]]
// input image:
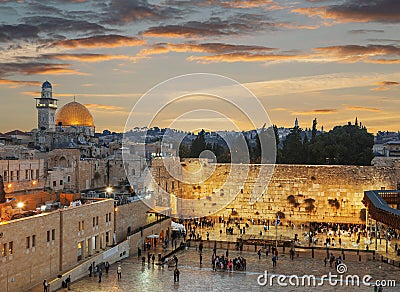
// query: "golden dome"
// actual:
[[74, 114]]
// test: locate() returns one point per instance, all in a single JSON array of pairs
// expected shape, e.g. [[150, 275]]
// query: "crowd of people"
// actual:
[[223, 263]]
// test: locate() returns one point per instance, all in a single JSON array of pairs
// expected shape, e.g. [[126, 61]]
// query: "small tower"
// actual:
[[46, 106], [296, 123]]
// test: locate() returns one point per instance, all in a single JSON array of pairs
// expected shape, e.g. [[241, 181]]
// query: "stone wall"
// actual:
[[317, 193], [45, 245], [28, 265], [132, 216]]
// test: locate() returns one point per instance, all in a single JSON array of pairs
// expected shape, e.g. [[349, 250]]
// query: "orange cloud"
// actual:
[[89, 57], [384, 11], [245, 57], [104, 107], [385, 85], [368, 53], [362, 108], [101, 41], [316, 112], [15, 83]]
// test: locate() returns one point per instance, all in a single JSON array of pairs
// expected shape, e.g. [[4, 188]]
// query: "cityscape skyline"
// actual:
[[330, 60]]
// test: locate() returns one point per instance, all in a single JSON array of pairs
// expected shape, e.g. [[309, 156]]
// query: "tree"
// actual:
[[198, 145], [293, 150], [314, 129]]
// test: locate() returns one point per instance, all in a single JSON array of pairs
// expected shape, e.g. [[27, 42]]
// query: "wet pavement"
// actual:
[[196, 277]]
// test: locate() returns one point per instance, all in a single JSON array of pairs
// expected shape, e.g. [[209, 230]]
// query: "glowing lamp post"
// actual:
[[20, 205], [109, 191]]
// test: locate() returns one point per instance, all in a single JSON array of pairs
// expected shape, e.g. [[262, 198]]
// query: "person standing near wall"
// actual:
[[45, 285], [68, 282], [119, 272]]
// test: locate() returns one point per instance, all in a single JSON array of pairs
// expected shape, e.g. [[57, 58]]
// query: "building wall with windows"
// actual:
[[29, 250], [21, 175], [45, 245], [86, 230]]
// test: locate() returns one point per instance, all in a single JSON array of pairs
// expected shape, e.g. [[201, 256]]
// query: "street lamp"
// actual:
[[20, 205], [109, 191]]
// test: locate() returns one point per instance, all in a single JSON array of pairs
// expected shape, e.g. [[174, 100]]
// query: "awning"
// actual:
[[177, 226]]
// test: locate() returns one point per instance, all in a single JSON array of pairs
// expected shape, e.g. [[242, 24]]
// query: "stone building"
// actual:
[[43, 246], [23, 174]]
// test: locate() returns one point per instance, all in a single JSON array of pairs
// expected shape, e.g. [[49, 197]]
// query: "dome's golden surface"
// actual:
[[74, 114]]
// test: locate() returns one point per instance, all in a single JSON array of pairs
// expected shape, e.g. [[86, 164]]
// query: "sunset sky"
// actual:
[[327, 59]]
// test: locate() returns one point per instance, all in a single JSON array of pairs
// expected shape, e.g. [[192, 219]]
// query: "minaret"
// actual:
[[296, 123], [46, 106]]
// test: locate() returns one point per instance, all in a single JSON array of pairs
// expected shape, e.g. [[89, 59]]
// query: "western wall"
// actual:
[[300, 193]]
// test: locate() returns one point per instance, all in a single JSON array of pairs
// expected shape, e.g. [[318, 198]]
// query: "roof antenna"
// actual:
[[74, 97]]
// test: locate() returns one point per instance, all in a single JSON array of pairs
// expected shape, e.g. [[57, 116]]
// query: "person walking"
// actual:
[[274, 261], [90, 270], [100, 275], [119, 272], [153, 258], [107, 266], [176, 275], [291, 254], [259, 254], [201, 259], [45, 285]]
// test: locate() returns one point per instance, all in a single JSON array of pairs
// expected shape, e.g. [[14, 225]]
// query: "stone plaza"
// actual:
[[195, 277]]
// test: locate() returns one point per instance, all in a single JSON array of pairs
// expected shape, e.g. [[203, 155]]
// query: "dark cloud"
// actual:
[[122, 11], [361, 31], [18, 32], [215, 26], [49, 24], [222, 3], [384, 11], [29, 68], [216, 48]]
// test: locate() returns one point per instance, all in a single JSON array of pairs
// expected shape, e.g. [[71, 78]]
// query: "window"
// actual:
[[83, 225], [94, 221], [33, 240], [54, 183], [61, 182], [37, 173], [97, 220], [28, 242], [5, 175], [69, 178], [32, 174], [11, 247], [11, 175], [53, 234], [106, 217], [79, 226], [4, 249], [26, 174], [48, 235], [173, 185], [17, 175]]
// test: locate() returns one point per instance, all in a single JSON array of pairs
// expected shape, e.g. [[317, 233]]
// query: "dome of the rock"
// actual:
[[74, 114]]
